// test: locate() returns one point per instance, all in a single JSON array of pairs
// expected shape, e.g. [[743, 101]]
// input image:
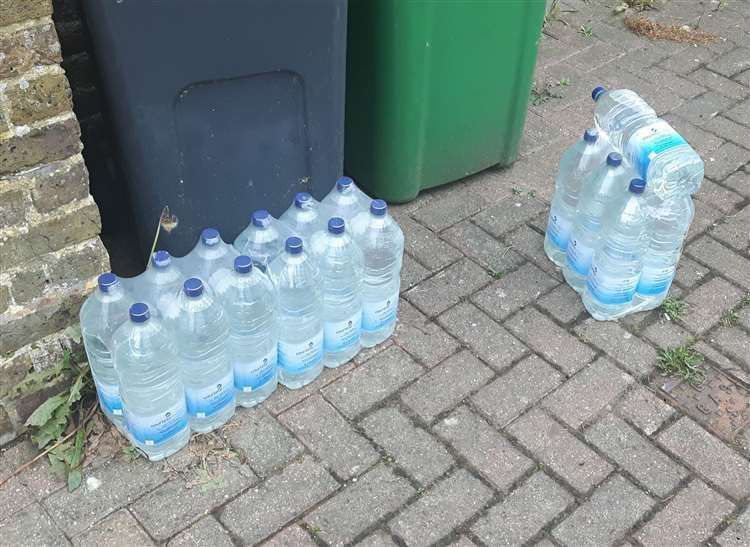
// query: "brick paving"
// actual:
[[499, 413]]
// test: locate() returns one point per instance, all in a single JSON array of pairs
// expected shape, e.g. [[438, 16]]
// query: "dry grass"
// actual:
[[642, 26]]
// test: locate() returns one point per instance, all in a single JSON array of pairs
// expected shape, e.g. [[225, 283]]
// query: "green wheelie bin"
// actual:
[[436, 89]]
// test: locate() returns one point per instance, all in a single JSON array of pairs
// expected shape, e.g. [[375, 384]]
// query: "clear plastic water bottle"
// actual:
[[382, 244], [671, 221], [600, 190], [262, 240], [101, 315], [305, 216], [345, 200], [210, 260], [655, 150], [249, 300], [300, 315], [577, 162], [161, 286], [617, 264], [341, 269], [151, 385], [202, 337]]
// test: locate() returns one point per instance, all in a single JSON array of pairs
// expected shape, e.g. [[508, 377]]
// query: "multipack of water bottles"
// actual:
[[174, 349], [622, 207]]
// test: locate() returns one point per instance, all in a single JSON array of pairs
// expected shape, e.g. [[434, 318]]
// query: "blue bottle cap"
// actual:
[[193, 287], [336, 225], [261, 218], [378, 207], [139, 312], [293, 245], [301, 199], [597, 92], [344, 183], [637, 186], [106, 281], [591, 134], [614, 159], [161, 259], [210, 236], [243, 264]]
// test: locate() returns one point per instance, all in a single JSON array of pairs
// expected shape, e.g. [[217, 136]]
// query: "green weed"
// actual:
[[683, 362], [673, 308], [586, 31]]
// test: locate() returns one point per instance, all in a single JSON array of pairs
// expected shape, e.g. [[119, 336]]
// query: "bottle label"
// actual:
[[298, 357], [340, 335], [379, 314], [207, 401], [655, 280], [610, 289], [109, 397], [579, 256], [157, 428], [650, 141], [558, 229], [251, 375]]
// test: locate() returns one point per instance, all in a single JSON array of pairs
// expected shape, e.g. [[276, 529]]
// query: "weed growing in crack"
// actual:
[[683, 362]]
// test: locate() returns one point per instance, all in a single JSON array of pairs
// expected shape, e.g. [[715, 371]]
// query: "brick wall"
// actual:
[[50, 251]]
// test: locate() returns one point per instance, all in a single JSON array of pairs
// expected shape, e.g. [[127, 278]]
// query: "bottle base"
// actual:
[[205, 425], [164, 450], [257, 396], [297, 381], [575, 281], [556, 256], [338, 358], [371, 339]]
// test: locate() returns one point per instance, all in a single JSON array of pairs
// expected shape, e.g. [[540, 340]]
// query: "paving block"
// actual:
[[645, 410], [702, 141], [446, 385], [688, 519], [687, 60], [740, 113], [261, 511], [631, 352], [636, 455], [119, 528], [530, 244], [522, 514], [442, 508], [412, 273], [558, 449], [30, 526], [513, 291], [508, 214], [328, 435], [562, 303], [705, 107], [587, 393], [706, 218], [554, 343], [377, 539], [733, 231], [412, 448], [117, 484], [178, 503], [717, 82], [612, 509], [708, 303], [448, 287], [689, 273], [207, 531], [725, 160], [731, 63], [667, 334], [683, 87], [731, 131], [372, 382], [358, 506], [455, 204], [739, 182], [292, 535], [735, 342], [431, 251], [477, 244], [484, 448], [422, 338], [737, 533], [263, 441], [720, 258], [284, 398], [508, 396], [486, 338], [721, 198]]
